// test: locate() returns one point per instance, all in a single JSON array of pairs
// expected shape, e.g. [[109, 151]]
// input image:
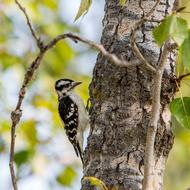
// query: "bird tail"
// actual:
[[78, 151]]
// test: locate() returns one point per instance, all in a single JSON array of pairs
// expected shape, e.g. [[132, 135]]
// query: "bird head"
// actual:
[[64, 87]]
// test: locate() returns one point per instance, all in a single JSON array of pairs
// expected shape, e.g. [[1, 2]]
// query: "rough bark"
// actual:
[[121, 101]]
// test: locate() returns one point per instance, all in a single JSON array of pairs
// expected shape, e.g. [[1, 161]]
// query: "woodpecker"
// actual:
[[72, 113]]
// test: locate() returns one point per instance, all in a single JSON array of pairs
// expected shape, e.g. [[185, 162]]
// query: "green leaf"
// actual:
[[67, 176], [28, 129], [5, 126], [122, 2], [22, 157], [52, 4], [83, 9], [61, 55], [96, 182], [2, 145], [7, 60], [172, 26], [180, 109], [184, 52]]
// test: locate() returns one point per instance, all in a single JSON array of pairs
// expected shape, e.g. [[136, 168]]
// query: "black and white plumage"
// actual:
[[72, 112]]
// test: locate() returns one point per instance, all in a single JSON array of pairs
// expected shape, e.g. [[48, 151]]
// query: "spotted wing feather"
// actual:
[[68, 112]]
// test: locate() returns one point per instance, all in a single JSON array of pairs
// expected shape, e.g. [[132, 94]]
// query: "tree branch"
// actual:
[[155, 112], [133, 38], [111, 57], [155, 115], [37, 39], [17, 113]]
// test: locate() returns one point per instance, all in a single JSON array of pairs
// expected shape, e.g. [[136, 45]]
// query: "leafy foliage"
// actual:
[[177, 28], [122, 2], [83, 9], [2, 145], [67, 176], [29, 132], [22, 157], [184, 53], [96, 182], [180, 109], [172, 26]]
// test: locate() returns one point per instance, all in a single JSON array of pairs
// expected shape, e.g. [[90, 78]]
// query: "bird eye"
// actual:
[[58, 87], [66, 85]]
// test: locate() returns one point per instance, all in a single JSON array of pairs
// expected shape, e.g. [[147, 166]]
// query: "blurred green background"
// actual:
[[44, 158]]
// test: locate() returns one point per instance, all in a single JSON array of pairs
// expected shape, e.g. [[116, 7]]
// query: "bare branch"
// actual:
[[15, 116], [139, 54], [111, 57], [155, 114], [37, 39], [133, 37], [17, 113]]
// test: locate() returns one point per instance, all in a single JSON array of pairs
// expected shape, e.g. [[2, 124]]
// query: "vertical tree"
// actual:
[[122, 98]]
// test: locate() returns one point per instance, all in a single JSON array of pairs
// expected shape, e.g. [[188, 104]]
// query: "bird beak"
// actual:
[[76, 84]]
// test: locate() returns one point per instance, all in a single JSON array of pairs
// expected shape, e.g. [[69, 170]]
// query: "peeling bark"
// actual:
[[121, 101]]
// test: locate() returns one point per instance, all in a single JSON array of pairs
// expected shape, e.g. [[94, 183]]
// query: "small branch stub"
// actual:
[[15, 116]]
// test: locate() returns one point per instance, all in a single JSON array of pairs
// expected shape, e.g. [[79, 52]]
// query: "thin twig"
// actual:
[[37, 39], [17, 113], [155, 112], [139, 54], [111, 57], [133, 38], [182, 77], [155, 115]]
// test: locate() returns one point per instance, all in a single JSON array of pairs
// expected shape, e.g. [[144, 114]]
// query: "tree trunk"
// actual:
[[121, 101]]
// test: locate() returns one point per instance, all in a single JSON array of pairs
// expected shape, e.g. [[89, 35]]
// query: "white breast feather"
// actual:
[[83, 119]]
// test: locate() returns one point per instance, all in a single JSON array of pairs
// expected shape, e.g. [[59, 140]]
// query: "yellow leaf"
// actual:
[[122, 2], [96, 182], [83, 9]]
